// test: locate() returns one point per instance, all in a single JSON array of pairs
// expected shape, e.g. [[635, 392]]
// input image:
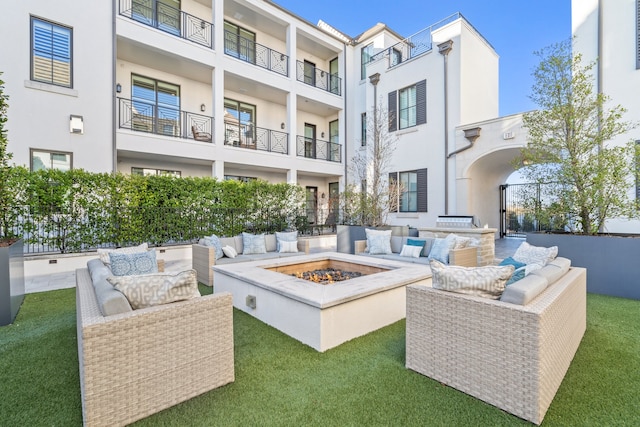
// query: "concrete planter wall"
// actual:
[[11, 281], [612, 262]]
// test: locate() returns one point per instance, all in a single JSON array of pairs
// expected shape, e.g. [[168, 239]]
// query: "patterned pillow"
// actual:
[[133, 264], [288, 247], [155, 289], [253, 244], [379, 244], [104, 253], [214, 241], [288, 236], [488, 281], [411, 251], [229, 251], [530, 254], [441, 248]]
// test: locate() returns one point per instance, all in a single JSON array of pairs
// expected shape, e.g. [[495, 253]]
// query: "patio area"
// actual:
[[280, 381]]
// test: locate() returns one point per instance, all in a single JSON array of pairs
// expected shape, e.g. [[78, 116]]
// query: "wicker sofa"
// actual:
[[204, 257], [511, 356], [139, 362]]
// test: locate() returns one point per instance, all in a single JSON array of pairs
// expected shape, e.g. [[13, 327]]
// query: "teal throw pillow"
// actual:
[[419, 242], [519, 270]]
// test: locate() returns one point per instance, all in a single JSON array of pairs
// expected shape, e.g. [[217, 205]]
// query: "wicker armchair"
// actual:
[[138, 363], [513, 357]]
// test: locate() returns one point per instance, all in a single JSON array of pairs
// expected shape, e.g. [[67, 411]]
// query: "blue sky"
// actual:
[[515, 29]]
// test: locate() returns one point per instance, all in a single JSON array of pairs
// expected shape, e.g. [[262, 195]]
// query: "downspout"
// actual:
[[599, 81], [114, 112], [444, 49], [346, 121]]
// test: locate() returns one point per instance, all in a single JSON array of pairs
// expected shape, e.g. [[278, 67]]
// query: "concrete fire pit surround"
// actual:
[[321, 316]]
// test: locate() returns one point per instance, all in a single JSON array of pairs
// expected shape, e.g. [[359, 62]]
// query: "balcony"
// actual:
[[168, 19], [147, 117], [255, 138], [312, 148], [249, 51], [318, 78]]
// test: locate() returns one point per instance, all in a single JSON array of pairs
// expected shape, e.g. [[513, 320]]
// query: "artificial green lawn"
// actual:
[[280, 381]]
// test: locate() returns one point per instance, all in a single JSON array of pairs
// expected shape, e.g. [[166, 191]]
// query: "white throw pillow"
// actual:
[[378, 241], [288, 247], [441, 248], [530, 254], [285, 236], [229, 251], [488, 281], [253, 244], [411, 251]]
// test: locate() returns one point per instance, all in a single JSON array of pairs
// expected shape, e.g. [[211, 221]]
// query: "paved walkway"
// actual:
[[504, 248]]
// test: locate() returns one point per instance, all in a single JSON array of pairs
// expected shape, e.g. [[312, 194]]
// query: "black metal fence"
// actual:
[[313, 148], [524, 208], [255, 138], [318, 78], [254, 53]]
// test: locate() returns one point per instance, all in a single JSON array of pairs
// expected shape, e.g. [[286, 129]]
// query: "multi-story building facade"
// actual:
[[608, 34], [243, 89]]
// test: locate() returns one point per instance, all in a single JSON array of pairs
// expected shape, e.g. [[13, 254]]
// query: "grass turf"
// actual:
[[280, 381]]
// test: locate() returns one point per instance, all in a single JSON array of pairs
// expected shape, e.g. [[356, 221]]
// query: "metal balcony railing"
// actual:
[[255, 53], [318, 78], [169, 19], [255, 138], [143, 116], [312, 148]]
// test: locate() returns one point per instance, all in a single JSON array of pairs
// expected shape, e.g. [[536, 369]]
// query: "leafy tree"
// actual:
[[568, 150], [7, 214]]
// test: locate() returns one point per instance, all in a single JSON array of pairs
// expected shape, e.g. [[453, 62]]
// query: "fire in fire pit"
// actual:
[[327, 276]]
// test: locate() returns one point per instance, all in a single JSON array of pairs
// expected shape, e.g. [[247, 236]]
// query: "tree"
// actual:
[[568, 150], [6, 194], [370, 203]]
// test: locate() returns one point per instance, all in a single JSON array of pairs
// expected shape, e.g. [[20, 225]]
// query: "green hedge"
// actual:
[[71, 211]]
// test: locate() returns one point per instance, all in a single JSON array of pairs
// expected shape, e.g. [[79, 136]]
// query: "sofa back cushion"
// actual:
[[110, 300], [524, 290], [554, 270], [270, 242]]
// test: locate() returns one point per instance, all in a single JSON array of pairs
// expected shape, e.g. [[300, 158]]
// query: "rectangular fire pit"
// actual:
[[319, 315]]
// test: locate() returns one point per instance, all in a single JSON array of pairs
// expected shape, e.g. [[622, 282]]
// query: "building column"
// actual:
[[217, 170], [292, 176], [291, 126]]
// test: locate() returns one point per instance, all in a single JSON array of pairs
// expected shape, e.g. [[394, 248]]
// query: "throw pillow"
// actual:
[[253, 244], [530, 254], [488, 281], [155, 289], [441, 248], [425, 244], [229, 251], [104, 253], [462, 242], [288, 247], [133, 264], [519, 269], [379, 244], [411, 251], [285, 236], [215, 242]]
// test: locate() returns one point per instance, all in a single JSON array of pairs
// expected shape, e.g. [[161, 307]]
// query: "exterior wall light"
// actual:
[[282, 125], [202, 107], [118, 88]]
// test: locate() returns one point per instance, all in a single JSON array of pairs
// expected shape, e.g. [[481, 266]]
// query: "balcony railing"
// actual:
[[318, 78], [256, 54], [169, 19], [255, 138], [143, 116], [312, 148]]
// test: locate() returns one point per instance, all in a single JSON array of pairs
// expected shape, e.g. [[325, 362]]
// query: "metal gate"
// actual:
[[519, 204]]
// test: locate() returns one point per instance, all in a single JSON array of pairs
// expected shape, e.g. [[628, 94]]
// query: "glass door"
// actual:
[[334, 81], [334, 137], [240, 120], [156, 106], [310, 141], [309, 73], [312, 204], [239, 43]]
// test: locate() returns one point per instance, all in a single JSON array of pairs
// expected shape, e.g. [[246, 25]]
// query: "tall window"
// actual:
[[363, 129], [51, 53], [334, 80], [413, 190], [365, 56], [156, 104], [239, 42], [162, 14], [408, 107], [239, 122], [41, 159], [152, 172]]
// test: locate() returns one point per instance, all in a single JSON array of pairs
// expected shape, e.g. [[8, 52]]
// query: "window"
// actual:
[[334, 80], [365, 56], [412, 195], [239, 178], [309, 73], [162, 14], [334, 139], [153, 172], [51, 53], [395, 57], [363, 129], [239, 42], [408, 107], [41, 159], [156, 105], [239, 122]]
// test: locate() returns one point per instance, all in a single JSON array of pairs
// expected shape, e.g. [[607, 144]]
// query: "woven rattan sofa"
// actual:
[[140, 362], [511, 356], [467, 257]]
